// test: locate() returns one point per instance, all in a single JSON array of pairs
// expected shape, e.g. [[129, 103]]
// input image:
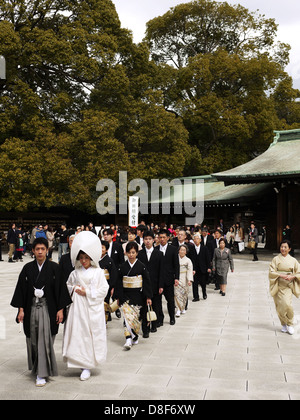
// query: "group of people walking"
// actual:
[[80, 290], [96, 272]]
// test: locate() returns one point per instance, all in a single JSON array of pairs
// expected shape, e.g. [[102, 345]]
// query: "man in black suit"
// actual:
[[170, 273], [180, 239], [152, 258], [201, 262], [115, 250], [65, 262], [205, 237]]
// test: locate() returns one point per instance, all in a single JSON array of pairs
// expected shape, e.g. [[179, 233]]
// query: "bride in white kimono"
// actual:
[[84, 344]]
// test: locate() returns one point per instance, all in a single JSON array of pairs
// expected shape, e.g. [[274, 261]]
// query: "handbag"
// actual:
[[114, 306], [151, 315], [251, 245]]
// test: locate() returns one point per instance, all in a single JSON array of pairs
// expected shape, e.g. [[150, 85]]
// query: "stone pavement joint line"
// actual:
[[223, 348]]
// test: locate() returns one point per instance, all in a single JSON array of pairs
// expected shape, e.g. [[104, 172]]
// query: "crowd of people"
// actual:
[[104, 272]]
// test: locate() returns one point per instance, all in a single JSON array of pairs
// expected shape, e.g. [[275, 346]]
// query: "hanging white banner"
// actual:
[[133, 214]]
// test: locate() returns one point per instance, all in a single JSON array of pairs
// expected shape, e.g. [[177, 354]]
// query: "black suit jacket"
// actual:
[[201, 261], [108, 264], [154, 267], [117, 254], [66, 266], [170, 265]]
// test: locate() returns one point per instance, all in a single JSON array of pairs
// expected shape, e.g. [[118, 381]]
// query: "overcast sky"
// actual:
[[135, 13]]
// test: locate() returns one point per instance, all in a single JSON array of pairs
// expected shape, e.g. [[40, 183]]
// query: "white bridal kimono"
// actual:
[[85, 331], [84, 344]]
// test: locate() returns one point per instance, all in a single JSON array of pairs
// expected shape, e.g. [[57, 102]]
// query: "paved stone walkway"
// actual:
[[223, 348]]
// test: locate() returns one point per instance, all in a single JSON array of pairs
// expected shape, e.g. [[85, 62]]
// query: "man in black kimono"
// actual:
[[170, 273], [41, 297], [152, 258]]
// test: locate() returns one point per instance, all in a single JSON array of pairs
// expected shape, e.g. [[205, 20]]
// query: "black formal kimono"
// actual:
[[155, 268], [133, 295], [133, 288], [170, 274], [55, 291]]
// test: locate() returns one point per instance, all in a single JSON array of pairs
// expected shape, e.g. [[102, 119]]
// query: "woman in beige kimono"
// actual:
[[284, 276], [181, 291]]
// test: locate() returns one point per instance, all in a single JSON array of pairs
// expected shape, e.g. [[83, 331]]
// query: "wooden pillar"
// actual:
[[281, 214]]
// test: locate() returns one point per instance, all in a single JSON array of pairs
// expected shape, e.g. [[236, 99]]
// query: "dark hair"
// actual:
[[286, 241], [132, 230], [105, 243], [108, 231], [132, 245], [80, 253], [40, 241], [148, 233], [222, 240], [164, 232]]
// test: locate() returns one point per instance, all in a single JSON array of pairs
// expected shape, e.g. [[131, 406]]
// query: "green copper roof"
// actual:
[[279, 162]]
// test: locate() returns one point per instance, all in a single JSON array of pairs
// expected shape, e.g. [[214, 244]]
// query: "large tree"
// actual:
[[79, 104], [222, 71]]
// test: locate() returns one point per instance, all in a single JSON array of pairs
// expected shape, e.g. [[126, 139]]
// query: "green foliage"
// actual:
[[222, 72]]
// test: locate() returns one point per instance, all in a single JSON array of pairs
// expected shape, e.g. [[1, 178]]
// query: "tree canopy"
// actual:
[[82, 101]]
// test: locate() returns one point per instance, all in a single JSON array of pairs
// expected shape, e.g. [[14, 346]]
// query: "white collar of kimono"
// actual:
[[89, 243], [40, 266], [131, 265]]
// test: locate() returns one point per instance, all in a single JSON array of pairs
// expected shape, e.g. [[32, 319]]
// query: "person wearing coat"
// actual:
[[253, 236], [222, 260]]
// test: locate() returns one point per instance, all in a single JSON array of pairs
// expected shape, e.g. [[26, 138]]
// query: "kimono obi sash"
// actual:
[[183, 269], [106, 273], [134, 282]]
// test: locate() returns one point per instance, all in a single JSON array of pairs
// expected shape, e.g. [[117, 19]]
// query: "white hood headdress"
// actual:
[[89, 243]]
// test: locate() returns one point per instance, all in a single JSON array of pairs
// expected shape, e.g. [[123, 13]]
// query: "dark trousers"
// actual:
[[199, 279], [255, 253], [169, 295]]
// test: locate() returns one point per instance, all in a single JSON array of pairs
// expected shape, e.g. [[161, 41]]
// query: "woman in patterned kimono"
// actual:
[[133, 291], [84, 345], [186, 278], [284, 276]]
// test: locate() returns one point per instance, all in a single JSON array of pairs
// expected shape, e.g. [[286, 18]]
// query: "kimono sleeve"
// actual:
[[190, 276], [20, 293], [273, 277], [98, 289]]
